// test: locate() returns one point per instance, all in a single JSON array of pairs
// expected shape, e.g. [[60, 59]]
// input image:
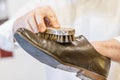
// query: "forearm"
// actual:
[[109, 48]]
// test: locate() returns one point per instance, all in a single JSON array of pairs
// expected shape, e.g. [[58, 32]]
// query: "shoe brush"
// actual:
[[61, 35]]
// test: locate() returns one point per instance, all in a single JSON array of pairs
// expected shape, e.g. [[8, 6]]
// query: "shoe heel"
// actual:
[[81, 75], [88, 75]]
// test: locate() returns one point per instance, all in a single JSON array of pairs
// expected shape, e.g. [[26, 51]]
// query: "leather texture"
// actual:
[[79, 53]]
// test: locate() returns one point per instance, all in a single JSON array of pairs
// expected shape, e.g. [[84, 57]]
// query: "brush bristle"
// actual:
[[62, 35]]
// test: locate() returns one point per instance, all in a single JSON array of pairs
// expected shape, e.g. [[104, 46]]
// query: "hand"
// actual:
[[37, 20], [109, 48]]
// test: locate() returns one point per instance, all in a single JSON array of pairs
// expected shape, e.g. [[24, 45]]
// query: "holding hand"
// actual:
[[37, 20]]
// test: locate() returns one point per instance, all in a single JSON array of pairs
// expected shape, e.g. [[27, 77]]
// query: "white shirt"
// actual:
[[118, 38], [94, 21]]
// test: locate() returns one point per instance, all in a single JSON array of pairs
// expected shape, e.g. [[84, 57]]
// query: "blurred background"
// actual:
[[3, 11], [9, 7]]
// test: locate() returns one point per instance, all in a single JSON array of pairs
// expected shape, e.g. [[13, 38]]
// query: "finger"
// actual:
[[27, 25], [39, 18], [20, 23], [52, 17], [32, 23], [47, 22]]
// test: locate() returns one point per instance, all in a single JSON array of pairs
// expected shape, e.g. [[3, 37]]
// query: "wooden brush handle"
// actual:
[[60, 31]]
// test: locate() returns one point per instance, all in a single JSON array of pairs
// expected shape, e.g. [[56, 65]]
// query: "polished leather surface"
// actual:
[[79, 52]]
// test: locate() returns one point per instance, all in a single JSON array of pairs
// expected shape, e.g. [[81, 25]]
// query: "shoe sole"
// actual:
[[49, 59]]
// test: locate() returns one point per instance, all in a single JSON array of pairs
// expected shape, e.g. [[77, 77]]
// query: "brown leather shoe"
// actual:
[[78, 56]]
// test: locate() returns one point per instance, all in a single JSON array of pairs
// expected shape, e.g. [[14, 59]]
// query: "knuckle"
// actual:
[[48, 7]]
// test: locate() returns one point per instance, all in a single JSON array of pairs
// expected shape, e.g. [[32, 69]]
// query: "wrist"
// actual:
[[99, 46], [109, 48]]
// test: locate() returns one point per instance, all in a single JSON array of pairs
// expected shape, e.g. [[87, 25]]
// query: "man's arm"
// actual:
[[108, 48]]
